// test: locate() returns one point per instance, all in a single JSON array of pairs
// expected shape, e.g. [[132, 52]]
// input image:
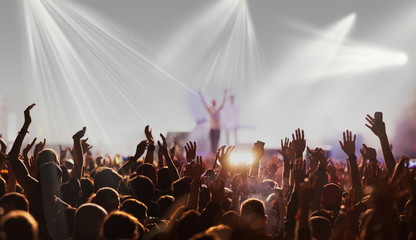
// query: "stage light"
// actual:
[[402, 58], [241, 158], [84, 71]]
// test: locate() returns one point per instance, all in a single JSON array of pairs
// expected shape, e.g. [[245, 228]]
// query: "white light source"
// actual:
[[402, 59], [241, 158]]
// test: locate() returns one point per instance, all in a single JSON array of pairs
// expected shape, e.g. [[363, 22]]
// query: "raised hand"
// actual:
[[224, 157], [287, 151], [141, 147], [190, 151], [80, 134], [368, 153], [274, 166], [320, 157], [163, 146], [148, 133], [348, 146], [258, 153], [299, 171], [313, 161], [377, 127], [39, 147], [28, 147], [198, 168], [62, 152], [28, 118], [299, 142], [85, 145]]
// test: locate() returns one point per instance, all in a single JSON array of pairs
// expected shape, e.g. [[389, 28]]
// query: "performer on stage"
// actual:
[[231, 124], [215, 122]]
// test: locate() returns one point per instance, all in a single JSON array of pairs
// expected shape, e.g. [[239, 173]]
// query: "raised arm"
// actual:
[[223, 100], [173, 172], [22, 175], [348, 146], [78, 154], [378, 127], [258, 152], [151, 145], [125, 169]]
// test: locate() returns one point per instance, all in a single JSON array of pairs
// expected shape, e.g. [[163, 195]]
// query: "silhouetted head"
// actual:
[[252, 212], [166, 206], [106, 177], [50, 178], [321, 227], [88, 220], [231, 219], [108, 198], [47, 155], [163, 179], [149, 171], [142, 188], [13, 201], [120, 225], [331, 197], [18, 225], [136, 208], [213, 102]]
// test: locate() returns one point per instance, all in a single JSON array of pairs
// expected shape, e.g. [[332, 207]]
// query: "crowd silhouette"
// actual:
[[169, 192]]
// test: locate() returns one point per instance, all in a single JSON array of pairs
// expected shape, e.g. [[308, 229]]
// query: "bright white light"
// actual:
[[85, 72], [402, 59], [241, 158]]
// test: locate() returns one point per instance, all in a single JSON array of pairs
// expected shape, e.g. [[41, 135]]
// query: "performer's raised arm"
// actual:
[[223, 100]]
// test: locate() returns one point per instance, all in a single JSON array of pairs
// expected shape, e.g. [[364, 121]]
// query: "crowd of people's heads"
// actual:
[[163, 193]]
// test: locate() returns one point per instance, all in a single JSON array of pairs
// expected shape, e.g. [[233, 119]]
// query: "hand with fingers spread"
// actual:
[[141, 147], [299, 142], [378, 127], [287, 151], [368, 153], [348, 146], [299, 171], [190, 149], [274, 166], [224, 157]]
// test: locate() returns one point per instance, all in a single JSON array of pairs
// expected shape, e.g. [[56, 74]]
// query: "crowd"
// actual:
[[164, 192]]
